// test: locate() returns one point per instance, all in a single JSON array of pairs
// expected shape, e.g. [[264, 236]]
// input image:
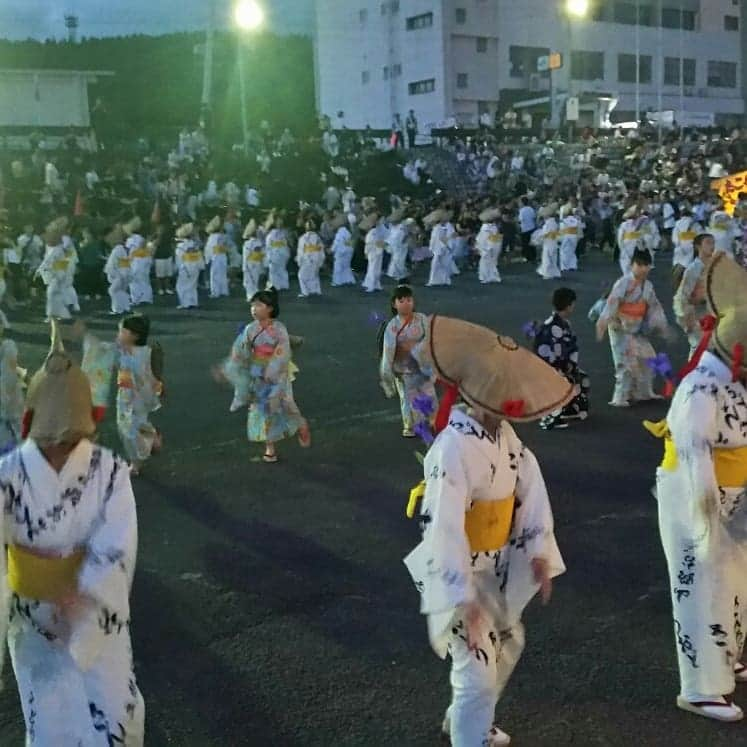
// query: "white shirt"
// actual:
[[527, 218]]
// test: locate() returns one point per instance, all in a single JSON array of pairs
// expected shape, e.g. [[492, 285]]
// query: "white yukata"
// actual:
[[650, 236], [397, 241], [342, 251], [216, 255], [725, 230], [489, 244], [277, 254], [703, 520], [571, 230], [54, 272], [11, 396], [629, 238], [690, 302], [456, 245], [310, 259], [374, 251], [117, 269], [75, 676], [683, 234], [253, 265], [466, 468], [71, 295], [548, 236], [441, 270], [189, 265], [141, 263], [632, 310]]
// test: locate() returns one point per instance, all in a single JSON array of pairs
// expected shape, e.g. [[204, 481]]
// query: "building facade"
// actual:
[[454, 60]]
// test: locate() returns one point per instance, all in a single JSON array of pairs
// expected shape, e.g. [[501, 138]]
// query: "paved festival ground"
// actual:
[[271, 606]]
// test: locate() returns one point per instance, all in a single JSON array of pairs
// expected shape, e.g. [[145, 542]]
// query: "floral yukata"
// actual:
[[555, 342], [632, 311], [689, 302], [402, 371], [138, 391], [703, 525], [468, 471], [75, 673], [261, 371]]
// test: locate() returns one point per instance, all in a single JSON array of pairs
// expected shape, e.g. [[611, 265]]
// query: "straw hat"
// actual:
[[397, 215], [437, 216], [368, 203], [185, 231], [132, 226], [115, 236], [251, 229], [368, 221], [59, 399], [717, 171], [566, 210], [214, 225], [489, 215], [493, 373], [631, 212], [549, 210], [726, 292]]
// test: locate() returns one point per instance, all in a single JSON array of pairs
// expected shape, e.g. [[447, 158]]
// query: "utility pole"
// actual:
[[207, 67]]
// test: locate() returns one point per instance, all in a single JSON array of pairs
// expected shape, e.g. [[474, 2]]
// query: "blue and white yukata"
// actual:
[[261, 371], [632, 311], [401, 371], [277, 254], [342, 250]]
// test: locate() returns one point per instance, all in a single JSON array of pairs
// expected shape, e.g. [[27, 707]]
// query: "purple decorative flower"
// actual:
[[424, 404], [661, 365], [530, 329], [375, 318], [423, 431]]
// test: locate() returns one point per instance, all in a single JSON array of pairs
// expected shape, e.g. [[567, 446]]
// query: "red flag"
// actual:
[[79, 208], [155, 216]]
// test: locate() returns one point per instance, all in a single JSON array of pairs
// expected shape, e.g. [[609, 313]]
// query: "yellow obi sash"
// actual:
[[191, 256], [140, 254], [631, 236], [730, 465], [312, 248], [570, 231], [278, 244], [256, 256], [687, 235], [60, 265], [220, 249], [45, 579], [487, 523], [495, 238], [550, 235], [636, 309], [123, 263], [380, 244]]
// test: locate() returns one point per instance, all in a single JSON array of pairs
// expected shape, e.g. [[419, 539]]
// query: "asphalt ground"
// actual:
[[271, 605]]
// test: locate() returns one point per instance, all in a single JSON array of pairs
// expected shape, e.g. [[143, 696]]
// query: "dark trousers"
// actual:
[[411, 135], [528, 251]]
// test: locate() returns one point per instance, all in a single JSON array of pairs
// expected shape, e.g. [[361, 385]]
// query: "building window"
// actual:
[[419, 22], [385, 73], [461, 16], [394, 6], [722, 74], [462, 80], [421, 86], [524, 60], [482, 44], [365, 77], [587, 65], [626, 68], [626, 13], [731, 23], [483, 107], [672, 71], [396, 70], [674, 18], [363, 15]]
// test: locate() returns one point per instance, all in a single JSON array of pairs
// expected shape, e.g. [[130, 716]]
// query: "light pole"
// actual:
[[248, 16], [575, 10], [207, 65]]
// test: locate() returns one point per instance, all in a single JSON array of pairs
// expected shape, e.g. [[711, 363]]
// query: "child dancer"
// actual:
[[401, 370], [189, 265], [117, 269], [253, 259], [631, 311], [342, 251], [139, 386], [310, 259], [260, 370]]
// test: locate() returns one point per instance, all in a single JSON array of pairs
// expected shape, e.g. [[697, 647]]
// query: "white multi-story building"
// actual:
[[457, 59]]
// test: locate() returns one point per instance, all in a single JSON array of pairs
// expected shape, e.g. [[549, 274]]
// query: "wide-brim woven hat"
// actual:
[[132, 226], [726, 293], [251, 229], [549, 210], [489, 215], [185, 231], [213, 225], [493, 372], [437, 216], [631, 212]]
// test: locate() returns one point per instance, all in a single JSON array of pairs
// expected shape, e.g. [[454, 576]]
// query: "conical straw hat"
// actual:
[[213, 225], [251, 229], [184, 231], [132, 226], [59, 399], [726, 292], [489, 215], [493, 373]]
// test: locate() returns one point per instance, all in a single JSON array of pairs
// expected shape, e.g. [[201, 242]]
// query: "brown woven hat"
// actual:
[[59, 399], [489, 215], [493, 373], [726, 292]]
